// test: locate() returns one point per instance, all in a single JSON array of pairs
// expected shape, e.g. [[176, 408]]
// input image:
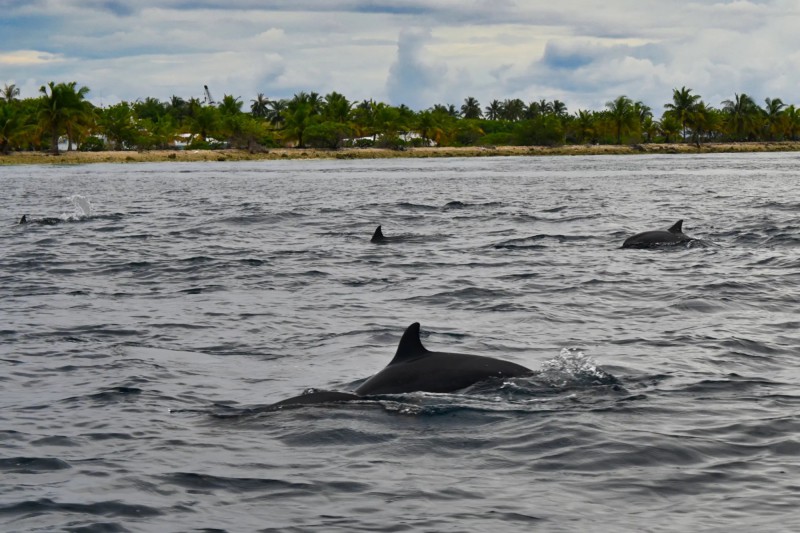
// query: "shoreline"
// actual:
[[78, 158]]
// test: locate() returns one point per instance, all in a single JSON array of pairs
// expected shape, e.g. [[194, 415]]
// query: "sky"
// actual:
[[413, 52]]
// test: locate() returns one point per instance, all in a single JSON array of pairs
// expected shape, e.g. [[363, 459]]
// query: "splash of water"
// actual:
[[573, 367], [82, 208]]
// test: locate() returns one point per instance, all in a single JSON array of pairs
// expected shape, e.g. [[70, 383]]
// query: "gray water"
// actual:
[[142, 336]]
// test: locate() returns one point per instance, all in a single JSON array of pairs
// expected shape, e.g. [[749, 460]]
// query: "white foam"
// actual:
[[82, 208], [570, 366]]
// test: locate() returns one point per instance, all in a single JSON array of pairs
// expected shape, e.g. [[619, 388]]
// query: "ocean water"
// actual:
[[142, 336]]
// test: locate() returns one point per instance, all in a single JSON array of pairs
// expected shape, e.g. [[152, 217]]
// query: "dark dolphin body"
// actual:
[[414, 368], [315, 397], [652, 239], [46, 221], [379, 238]]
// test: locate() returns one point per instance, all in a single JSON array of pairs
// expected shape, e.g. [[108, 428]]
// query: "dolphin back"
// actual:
[[677, 228], [652, 239], [314, 397], [414, 368], [377, 236]]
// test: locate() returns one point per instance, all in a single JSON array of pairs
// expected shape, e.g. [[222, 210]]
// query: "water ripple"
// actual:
[[146, 334]]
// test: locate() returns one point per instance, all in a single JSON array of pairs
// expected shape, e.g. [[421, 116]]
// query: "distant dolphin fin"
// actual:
[[677, 227], [24, 219], [378, 235], [410, 346]]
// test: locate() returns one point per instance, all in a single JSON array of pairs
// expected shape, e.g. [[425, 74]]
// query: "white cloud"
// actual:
[[413, 78], [571, 50], [27, 58]]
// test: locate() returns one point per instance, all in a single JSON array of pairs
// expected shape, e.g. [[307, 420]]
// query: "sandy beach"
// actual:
[[75, 157]]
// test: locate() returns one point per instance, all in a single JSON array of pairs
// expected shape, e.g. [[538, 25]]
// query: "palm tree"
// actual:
[[337, 108], [150, 109], [61, 108], [493, 110], [314, 101], [277, 111], [82, 116], [649, 129], [471, 108], [388, 121], [644, 116], [178, 108], [116, 123], [701, 120], [584, 126], [260, 106], [429, 127], [513, 110], [13, 127], [792, 115], [363, 115], [230, 106], [9, 93], [743, 114], [774, 117], [623, 114], [298, 115], [193, 106], [533, 110], [205, 121], [445, 109], [559, 108], [683, 102], [670, 127]]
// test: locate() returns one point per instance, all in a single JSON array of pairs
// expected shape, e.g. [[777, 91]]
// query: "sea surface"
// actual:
[[143, 335]]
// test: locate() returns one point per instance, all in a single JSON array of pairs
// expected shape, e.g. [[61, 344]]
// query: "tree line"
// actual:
[[62, 112]]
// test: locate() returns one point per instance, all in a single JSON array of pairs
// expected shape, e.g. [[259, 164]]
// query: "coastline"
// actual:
[[78, 158]]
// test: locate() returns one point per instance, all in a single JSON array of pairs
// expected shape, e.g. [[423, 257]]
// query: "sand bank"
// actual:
[[74, 157]]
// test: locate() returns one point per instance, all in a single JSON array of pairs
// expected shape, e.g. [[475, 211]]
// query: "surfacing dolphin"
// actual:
[[46, 221], [652, 239], [379, 238], [417, 369]]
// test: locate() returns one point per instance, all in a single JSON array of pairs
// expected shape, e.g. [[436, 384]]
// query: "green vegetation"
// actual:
[[62, 112]]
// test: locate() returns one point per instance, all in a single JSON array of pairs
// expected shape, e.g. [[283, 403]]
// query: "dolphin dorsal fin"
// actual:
[[677, 227], [378, 235], [410, 346]]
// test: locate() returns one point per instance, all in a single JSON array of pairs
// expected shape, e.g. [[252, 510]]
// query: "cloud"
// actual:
[[416, 52], [28, 57], [413, 79]]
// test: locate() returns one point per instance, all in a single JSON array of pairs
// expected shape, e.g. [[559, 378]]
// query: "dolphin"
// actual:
[[378, 236], [417, 369], [652, 239], [46, 221], [315, 397], [414, 368]]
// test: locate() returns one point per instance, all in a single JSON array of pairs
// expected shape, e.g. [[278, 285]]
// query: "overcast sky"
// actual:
[[413, 52]]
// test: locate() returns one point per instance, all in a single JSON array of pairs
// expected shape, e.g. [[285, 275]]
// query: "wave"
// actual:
[[236, 485], [102, 508], [457, 204], [32, 465]]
